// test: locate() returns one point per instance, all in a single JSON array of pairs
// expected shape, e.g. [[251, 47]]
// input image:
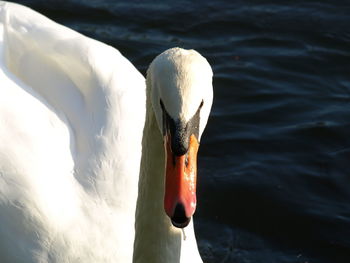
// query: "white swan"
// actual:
[[73, 115]]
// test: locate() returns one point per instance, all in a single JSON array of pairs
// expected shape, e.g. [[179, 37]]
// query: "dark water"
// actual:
[[274, 181]]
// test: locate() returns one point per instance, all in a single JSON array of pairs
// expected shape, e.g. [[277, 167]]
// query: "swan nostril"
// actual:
[[179, 219]]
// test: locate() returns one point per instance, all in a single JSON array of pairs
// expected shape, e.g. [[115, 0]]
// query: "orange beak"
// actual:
[[180, 183]]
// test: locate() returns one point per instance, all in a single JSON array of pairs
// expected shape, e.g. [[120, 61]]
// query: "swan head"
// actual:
[[181, 96]]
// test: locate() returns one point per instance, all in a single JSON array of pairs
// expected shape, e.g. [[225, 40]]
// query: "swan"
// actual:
[[97, 164]]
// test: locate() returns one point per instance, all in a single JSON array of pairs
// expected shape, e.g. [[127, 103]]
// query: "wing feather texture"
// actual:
[[72, 112]]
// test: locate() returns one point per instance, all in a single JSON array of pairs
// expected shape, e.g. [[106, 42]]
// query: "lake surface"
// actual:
[[274, 180]]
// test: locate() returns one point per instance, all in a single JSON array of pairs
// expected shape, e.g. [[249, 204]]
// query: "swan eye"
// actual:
[[162, 105], [164, 116], [201, 105]]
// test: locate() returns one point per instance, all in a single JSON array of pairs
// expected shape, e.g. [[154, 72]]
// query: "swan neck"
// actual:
[[155, 238]]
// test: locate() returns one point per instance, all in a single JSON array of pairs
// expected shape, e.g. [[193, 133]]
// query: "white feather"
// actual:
[[70, 143]]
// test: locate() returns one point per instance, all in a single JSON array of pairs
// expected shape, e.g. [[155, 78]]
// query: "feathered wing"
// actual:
[[71, 119]]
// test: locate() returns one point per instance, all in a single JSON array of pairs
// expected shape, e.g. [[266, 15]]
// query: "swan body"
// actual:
[[78, 130]]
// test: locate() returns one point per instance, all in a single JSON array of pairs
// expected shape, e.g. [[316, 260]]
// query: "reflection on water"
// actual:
[[273, 178]]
